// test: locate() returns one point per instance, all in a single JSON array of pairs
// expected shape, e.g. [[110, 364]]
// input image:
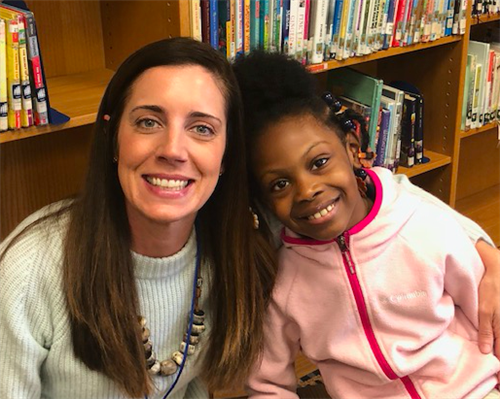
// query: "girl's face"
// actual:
[[306, 177], [171, 142]]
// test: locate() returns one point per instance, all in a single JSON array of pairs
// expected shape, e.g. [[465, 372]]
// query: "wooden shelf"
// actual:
[[472, 132], [325, 66], [485, 18], [77, 96], [484, 208], [436, 161]]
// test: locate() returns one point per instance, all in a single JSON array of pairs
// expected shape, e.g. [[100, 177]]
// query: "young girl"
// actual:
[[376, 286]]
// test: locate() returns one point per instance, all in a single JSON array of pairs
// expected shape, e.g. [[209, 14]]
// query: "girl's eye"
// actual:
[[279, 185], [204, 130], [318, 163], [147, 123]]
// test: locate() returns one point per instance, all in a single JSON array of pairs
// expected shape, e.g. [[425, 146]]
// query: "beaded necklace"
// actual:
[[191, 338]]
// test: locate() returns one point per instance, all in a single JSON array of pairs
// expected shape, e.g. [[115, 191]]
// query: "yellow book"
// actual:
[[14, 86], [4, 108]]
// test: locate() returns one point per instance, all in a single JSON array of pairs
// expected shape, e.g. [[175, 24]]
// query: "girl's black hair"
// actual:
[[274, 86]]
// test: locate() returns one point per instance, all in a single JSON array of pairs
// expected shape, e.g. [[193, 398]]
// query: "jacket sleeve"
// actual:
[[471, 228], [273, 376], [463, 271]]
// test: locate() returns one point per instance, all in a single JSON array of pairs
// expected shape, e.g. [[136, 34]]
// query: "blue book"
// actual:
[[337, 15], [285, 25], [254, 24], [385, 120], [390, 22], [214, 24]]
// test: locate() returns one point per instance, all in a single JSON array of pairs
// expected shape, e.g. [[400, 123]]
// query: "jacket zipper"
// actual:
[[350, 267]]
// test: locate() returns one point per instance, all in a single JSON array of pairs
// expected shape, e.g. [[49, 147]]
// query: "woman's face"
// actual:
[[171, 141]]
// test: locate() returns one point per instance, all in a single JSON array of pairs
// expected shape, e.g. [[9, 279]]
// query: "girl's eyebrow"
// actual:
[[315, 145]]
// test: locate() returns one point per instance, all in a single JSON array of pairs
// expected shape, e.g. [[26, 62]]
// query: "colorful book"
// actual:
[[407, 158], [4, 107], [246, 27], [13, 73], [26, 103], [254, 24], [385, 121], [359, 87]]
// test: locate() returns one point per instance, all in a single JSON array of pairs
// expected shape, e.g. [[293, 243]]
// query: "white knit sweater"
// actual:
[[36, 355]]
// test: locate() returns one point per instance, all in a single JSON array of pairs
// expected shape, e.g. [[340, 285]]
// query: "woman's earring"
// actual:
[[255, 219], [221, 170], [115, 159]]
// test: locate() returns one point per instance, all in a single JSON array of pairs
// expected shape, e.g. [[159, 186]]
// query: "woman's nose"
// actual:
[[172, 145]]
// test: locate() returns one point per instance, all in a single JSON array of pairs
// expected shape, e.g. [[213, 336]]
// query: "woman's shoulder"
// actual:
[[36, 241]]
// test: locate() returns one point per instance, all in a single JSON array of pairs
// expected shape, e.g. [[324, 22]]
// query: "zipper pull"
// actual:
[[344, 248]]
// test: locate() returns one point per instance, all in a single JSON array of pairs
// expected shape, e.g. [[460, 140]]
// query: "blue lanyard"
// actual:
[[191, 317]]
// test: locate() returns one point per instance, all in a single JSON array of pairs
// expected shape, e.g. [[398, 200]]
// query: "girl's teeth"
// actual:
[[322, 212]]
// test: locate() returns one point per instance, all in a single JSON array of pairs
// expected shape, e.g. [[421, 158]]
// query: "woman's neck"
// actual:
[[157, 240]]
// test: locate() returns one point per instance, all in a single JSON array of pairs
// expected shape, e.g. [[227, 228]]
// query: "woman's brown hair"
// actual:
[[98, 275]]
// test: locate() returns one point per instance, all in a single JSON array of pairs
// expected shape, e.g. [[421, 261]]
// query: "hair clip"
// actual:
[[333, 102], [106, 117]]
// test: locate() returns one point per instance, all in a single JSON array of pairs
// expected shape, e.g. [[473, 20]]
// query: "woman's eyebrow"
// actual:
[[199, 114]]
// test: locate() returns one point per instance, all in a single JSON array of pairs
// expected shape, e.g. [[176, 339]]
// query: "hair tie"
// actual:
[[106, 117]]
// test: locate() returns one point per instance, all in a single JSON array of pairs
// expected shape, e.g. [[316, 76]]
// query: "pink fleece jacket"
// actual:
[[387, 310]]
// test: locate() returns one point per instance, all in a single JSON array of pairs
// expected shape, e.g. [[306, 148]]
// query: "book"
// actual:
[[214, 23], [380, 150], [26, 103], [4, 108], [254, 24], [481, 51], [319, 10], [301, 22], [246, 27], [13, 81], [205, 21], [224, 27], [359, 87], [394, 150], [195, 19], [407, 158]]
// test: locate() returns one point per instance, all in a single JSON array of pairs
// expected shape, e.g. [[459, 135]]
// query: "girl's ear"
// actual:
[[352, 147]]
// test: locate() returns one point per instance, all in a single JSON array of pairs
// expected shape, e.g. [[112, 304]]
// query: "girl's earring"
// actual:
[[255, 219], [360, 179], [115, 159]]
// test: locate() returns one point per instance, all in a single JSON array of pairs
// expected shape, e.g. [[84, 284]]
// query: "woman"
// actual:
[[92, 287]]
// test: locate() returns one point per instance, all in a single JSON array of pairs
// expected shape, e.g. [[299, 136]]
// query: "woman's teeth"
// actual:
[[169, 184], [322, 212]]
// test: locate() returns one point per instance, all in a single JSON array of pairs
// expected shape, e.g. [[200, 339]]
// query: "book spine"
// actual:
[[292, 31], [301, 20], [239, 28], [264, 25], [419, 131], [329, 53], [307, 6], [27, 106], [14, 84], [407, 158], [357, 43], [343, 28], [246, 22], [277, 27], [389, 29], [285, 25], [254, 24], [337, 20], [382, 139], [398, 22], [205, 21], [4, 108], [38, 92], [195, 19], [319, 31], [214, 24]]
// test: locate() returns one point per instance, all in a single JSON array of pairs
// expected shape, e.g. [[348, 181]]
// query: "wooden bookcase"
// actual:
[[83, 42]]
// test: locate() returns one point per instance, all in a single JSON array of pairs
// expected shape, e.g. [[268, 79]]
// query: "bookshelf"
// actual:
[[83, 42]]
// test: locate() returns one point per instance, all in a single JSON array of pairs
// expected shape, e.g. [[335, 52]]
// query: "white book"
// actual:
[[329, 49], [358, 45], [481, 51], [292, 29], [301, 22], [195, 19], [395, 149], [319, 10]]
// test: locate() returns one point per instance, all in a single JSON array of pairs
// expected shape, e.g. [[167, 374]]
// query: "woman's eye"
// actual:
[[204, 130], [147, 123], [318, 163], [279, 185]]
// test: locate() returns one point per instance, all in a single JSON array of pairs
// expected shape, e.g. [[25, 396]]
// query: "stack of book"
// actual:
[[394, 115], [23, 96], [314, 31], [481, 104]]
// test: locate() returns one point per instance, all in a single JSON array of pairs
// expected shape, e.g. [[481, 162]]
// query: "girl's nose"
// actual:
[[307, 189]]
